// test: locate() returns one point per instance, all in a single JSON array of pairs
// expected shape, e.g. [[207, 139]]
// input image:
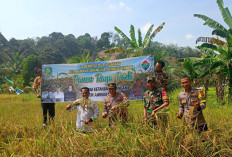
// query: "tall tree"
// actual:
[[104, 41], [29, 64]]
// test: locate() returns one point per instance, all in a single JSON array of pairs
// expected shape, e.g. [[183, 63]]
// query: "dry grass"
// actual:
[[21, 132]]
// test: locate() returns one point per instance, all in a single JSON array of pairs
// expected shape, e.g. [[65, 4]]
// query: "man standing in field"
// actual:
[[155, 99], [47, 107], [191, 103], [161, 76], [115, 104], [87, 110]]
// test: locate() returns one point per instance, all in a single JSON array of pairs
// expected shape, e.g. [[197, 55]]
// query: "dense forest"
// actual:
[[18, 58]]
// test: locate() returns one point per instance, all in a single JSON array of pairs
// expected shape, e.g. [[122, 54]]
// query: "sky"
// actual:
[[22, 19]]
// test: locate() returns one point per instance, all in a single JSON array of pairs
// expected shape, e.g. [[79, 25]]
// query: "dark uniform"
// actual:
[[193, 116], [120, 100], [154, 99]]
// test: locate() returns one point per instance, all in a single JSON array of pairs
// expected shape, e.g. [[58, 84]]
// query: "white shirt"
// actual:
[[59, 97], [85, 114]]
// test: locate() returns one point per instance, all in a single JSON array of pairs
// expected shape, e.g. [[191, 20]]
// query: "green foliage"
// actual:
[[79, 59], [86, 42], [140, 46], [225, 13], [28, 72], [104, 41], [224, 48]]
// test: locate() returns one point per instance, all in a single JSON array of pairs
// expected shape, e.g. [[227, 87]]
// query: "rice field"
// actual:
[[22, 134]]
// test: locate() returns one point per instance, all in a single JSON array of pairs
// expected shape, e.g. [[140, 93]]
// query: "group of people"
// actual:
[[58, 95], [191, 103]]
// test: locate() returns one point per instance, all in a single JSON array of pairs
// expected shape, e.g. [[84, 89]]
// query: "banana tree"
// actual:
[[211, 72], [224, 45], [189, 69], [80, 59], [139, 46], [98, 58]]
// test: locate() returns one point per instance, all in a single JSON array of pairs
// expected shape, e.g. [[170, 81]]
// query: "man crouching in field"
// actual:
[[191, 103], [155, 99], [87, 110], [115, 104]]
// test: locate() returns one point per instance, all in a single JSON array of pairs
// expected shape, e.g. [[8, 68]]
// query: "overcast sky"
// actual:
[[22, 19]]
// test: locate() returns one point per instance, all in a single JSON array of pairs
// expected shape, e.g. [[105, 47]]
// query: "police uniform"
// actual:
[[161, 79], [120, 100], [154, 99], [193, 116]]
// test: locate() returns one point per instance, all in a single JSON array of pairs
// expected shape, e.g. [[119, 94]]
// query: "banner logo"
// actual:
[[145, 65], [48, 72]]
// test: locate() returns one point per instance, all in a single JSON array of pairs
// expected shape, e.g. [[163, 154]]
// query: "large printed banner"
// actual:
[[63, 82]]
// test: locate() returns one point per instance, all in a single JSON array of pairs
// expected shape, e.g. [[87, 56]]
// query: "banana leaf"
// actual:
[[132, 34], [225, 13], [210, 22]]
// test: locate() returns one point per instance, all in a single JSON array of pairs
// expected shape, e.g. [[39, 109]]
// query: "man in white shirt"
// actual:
[[87, 111], [58, 95]]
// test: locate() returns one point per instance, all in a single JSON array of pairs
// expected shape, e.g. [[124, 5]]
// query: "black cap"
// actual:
[[112, 85], [151, 78], [58, 86]]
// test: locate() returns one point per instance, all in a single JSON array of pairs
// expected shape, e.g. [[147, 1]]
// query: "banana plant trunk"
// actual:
[[230, 81], [219, 81]]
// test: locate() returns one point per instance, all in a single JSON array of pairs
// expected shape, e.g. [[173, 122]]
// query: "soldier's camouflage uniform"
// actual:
[[193, 116], [153, 100], [161, 78], [122, 103]]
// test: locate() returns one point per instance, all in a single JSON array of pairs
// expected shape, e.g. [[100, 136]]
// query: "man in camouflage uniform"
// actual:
[[191, 103], [155, 99], [115, 104], [161, 76]]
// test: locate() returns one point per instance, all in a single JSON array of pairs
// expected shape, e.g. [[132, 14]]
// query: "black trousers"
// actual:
[[202, 128], [48, 108]]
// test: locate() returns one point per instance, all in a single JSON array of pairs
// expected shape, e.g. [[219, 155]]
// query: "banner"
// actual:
[[63, 82]]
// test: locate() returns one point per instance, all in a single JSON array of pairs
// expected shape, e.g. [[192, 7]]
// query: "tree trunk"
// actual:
[[206, 85], [230, 81], [219, 81]]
